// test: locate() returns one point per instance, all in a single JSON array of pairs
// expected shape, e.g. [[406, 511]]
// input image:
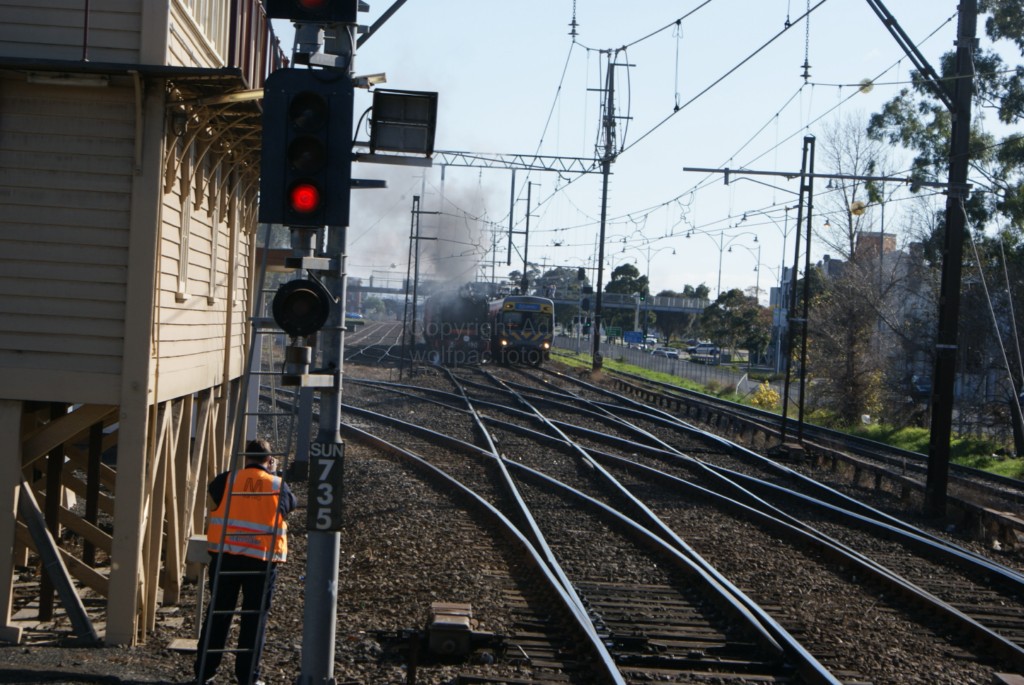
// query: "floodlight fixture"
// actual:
[[403, 121]]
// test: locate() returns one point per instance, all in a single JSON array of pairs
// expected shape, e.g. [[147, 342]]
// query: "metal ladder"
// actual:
[[258, 417]]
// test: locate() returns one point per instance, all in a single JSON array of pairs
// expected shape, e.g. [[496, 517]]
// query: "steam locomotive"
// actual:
[[464, 328], [456, 328]]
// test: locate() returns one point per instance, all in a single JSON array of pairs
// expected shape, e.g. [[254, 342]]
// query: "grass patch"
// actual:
[[973, 452]]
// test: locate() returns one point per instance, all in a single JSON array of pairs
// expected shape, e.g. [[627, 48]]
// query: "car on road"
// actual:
[[705, 353], [670, 352]]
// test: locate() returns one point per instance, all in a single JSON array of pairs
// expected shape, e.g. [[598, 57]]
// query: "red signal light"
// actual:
[[327, 11], [304, 197]]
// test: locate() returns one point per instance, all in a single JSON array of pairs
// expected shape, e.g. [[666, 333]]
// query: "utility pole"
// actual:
[[806, 168], [412, 283], [607, 156], [524, 286], [952, 256], [408, 344]]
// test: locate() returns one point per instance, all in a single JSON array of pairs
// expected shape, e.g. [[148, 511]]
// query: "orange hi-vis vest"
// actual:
[[255, 526]]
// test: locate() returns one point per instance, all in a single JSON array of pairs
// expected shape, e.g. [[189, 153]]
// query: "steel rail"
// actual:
[[782, 522], [604, 662], [759, 621], [533, 531], [829, 437], [962, 557], [825, 491], [1012, 652], [764, 623], [776, 518]]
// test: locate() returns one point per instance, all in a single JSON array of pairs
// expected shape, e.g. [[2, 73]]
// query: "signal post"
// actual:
[[305, 184]]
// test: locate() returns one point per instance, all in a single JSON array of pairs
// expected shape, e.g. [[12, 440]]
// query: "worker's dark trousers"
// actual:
[[251, 586]]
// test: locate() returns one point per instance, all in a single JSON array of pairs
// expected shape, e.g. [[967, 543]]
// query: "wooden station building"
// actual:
[[129, 162]]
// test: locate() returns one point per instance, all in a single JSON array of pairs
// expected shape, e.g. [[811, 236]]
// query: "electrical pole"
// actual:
[[783, 447], [524, 287], [606, 166], [952, 256]]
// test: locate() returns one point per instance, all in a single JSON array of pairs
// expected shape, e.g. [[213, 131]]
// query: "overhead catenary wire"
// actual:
[[709, 179], [1015, 403], [721, 78], [564, 184], [1013, 313]]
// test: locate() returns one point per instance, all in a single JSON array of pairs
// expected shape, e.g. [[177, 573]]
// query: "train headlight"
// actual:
[[504, 342], [545, 345]]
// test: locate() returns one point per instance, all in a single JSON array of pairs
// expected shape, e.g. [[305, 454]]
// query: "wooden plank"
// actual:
[[69, 253], [196, 488], [62, 218], [62, 429], [65, 43], [93, 495], [78, 525], [106, 292], [153, 543], [31, 162], [68, 11], [79, 458], [72, 186], [10, 481], [105, 503], [86, 575], [64, 326], [50, 506], [69, 273], [53, 565], [175, 537], [59, 354], [63, 307], [67, 385]]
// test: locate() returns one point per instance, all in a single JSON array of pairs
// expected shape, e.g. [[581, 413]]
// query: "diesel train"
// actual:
[[464, 328]]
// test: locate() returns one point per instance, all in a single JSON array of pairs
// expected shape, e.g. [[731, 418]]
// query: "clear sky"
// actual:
[[719, 89]]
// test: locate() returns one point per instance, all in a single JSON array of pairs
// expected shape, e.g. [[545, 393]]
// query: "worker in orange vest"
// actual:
[[247, 538]]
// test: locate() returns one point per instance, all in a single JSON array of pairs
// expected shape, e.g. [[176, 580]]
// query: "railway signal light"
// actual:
[[301, 307], [313, 11], [306, 164]]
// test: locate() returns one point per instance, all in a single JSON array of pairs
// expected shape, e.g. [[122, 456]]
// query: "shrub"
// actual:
[[765, 397]]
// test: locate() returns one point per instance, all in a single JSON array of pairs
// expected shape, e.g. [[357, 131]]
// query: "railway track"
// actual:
[[999, 495], [689, 625], [857, 594]]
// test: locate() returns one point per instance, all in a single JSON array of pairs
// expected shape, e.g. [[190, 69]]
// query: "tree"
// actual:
[[852, 206], [918, 121], [374, 307], [560, 282], [843, 357], [681, 325], [626, 279], [737, 321]]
